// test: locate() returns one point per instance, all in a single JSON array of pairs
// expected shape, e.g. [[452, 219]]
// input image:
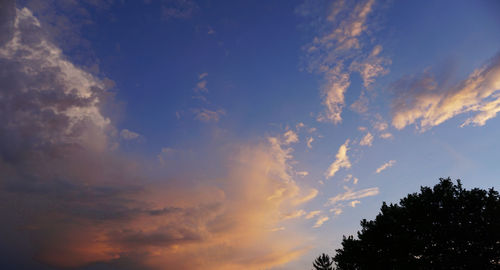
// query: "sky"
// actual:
[[200, 134]]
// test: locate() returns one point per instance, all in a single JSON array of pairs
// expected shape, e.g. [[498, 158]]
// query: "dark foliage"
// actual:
[[323, 262], [445, 227]]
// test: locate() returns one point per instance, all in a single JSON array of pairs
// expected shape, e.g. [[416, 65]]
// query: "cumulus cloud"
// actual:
[[338, 51], [426, 101], [353, 195], [84, 202], [341, 161], [386, 165], [367, 140]]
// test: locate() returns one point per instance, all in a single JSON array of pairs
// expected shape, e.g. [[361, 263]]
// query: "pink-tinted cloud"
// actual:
[[66, 186]]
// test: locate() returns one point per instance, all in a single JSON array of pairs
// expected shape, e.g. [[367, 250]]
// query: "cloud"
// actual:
[[303, 173], [202, 75], [290, 137], [386, 165], [178, 9], [338, 51], [129, 135], [353, 195], [341, 161], [313, 214], [354, 203], [361, 104], [307, 197], [320, 221], [350, 177], [85, 202], [372, 66], [201, 86], [336, 211], [295, 214], [426, 101], [206, 115], [367, 140], [386, 135], [310, 140]]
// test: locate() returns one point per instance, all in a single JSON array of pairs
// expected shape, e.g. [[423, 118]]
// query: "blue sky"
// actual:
[[252, 134]]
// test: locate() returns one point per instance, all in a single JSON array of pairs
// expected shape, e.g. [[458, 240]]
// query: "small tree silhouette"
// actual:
[[323, 262]]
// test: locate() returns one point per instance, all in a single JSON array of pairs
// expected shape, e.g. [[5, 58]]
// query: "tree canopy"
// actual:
[[323, 262], [445, 227]]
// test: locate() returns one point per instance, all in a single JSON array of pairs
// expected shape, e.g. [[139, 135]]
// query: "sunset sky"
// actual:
[[228, 135]]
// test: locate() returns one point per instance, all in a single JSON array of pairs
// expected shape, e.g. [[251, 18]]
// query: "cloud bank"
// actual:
[[72, 199]]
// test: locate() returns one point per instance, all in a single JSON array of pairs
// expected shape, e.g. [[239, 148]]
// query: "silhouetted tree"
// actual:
[[323, 262], [445, 227]]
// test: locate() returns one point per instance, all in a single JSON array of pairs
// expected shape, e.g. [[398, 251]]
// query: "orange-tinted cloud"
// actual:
[[69, 189], [425, 101]]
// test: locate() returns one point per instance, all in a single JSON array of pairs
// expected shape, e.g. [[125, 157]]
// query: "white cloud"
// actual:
[[310, 140], [336, 211], [386, 135], [354, 203], [290, 137], [367, 140], [353, 195], [129, 135], [313, 214], [372, 66], [350, 177], [292, 215], [206, 115], [320, 221], [302, 173], [309, 196], [425, 101], [341, 161], [331, 52], [386, 165]]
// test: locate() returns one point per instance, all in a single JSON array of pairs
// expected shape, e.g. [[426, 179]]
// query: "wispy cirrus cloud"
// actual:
[[338, 50], [320, 221], [386, 165], [425, 100], [341, 161], [206, 115], [353, 195]]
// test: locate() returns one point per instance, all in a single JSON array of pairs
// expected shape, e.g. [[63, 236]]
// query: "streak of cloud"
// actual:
[[425, 101], [386, 165], [341, 161], [353, 195]]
